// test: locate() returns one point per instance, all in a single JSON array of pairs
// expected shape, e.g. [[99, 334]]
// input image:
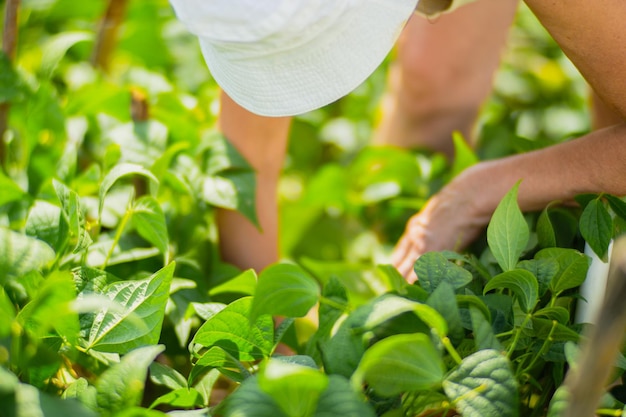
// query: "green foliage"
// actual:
[[114, 300]]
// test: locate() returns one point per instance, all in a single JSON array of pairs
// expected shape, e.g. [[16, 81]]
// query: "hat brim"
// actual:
[[311, 76]]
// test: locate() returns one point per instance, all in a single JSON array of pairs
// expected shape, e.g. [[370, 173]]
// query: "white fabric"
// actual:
[[286, 57]]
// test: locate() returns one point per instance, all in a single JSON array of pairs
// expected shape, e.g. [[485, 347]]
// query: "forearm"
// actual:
[[591, 164]]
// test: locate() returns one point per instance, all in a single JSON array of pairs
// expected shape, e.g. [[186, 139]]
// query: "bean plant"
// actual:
[[114, 299]]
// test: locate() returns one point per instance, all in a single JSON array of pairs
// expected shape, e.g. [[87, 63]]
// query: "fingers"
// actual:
[[404, 257]]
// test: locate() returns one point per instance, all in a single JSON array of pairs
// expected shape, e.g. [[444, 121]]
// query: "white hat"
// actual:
[[285, 57]]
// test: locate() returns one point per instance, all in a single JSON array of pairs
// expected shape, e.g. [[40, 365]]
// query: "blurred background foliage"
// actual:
[[340, 199]]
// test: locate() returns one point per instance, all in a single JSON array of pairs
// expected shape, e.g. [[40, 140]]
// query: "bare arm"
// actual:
[[457, 214], [593, 34]]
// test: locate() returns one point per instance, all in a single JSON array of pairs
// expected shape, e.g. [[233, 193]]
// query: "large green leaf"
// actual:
[[432, 268], [521, 282], [57, 46], [295, 388], [232, 330], [401, 363], [51, 308], [149, 220], [47, 222], [444, 301], [122, 385], [573, 267], [166, 376], [20, 254], [138, 322], [117, 172], [218, 358], [484, 337], [507, 233], [340, 400], [284, 290], [483, 385], [596, 227]]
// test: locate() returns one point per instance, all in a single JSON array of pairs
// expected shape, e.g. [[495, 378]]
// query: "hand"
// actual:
[[451, 219]]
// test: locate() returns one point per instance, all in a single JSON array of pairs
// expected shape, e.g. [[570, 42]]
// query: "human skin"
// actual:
[[442, 74], [432, 61], [592, 34]]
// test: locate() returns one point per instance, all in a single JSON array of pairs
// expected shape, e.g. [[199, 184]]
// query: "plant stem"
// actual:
[[451, 350], [118, 235], [518, 334], [332, 303], [107, 34], [9, 47], [608, 412], [546, 345]]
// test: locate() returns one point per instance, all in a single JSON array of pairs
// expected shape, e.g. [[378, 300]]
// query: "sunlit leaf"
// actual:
[[401, 363], [57, 46], [218, 358], [232, 330], [121, 386], [507, 233], [295, 388], [20, 254], [118, 172], [284, 290], [138, 322], [464, 155]]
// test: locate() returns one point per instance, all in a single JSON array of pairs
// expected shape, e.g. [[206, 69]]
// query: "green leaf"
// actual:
[[12, 88], [184, 398], [560, 314], [483, 385], [245, 283], [20, 254], [47, 222], [464, 156], [74, 216], [7, 312], [51, 308], [29, 401], [231, 330], [10, 190], [340, 400], [284, 290], [432, 268], [559, 402], [523, 284], [545, 230], [231, 181], [149, 220], [57, 46], [617, 205], [250, 401], [295, 388], [444, 301], [573, 267], [168, 377], [596, 227], [139, 321], [117, 172], [543, 269], [218, 358], [121, 386], [507, 233], [400, 363], [484, 338], [556, 331], [234, 190]]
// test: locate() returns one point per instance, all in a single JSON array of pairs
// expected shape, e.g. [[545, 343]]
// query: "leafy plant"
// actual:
[[114, 300]]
